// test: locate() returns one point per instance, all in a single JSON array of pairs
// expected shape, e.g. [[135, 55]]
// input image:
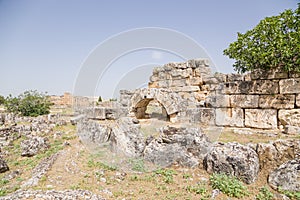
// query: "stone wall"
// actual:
[[187, 79], [261, 99]]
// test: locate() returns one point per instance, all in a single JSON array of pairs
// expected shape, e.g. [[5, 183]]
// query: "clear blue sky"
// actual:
[[44, 43]]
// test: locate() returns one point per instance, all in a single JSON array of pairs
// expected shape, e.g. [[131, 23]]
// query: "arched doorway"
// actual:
[[151, 108], [170, 102]]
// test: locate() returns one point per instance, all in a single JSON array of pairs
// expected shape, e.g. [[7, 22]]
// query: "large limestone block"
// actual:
[[298, 100], [258, 87], [218, 101], [233, 159], [184, 146], [269, 74], [261, 118], [230, 117], [249, 87], [195, 81], [289, 86], [177, 83], [234, 77], [277, 101], [244, 101], [289, 117]]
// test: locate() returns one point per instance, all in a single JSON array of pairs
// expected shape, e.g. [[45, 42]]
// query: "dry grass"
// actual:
[[117, 177]]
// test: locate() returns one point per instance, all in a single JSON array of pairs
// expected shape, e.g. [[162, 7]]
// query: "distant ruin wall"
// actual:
[[261, 99]]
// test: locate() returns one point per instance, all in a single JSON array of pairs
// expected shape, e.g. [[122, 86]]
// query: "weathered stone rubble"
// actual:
[[33, 146], [275, 153], [183, 146], [14, 126], [40, 170], [286, 176], [52, 194], [233, 159]]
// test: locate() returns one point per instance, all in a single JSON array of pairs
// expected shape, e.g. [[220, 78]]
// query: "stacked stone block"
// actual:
[[261, 99], [187, 79]]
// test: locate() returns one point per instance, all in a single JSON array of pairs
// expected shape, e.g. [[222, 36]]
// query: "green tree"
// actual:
[[2, 100], [273, 43], [100, 99], [30, 103]]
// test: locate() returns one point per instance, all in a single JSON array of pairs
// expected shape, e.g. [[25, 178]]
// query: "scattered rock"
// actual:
[[275, 153], [40, 170], [286, 177], [3, 166], [52, 194], [12, 175], [185, 146], [33, 146], [126, 137], [233, 159], [92, 133]]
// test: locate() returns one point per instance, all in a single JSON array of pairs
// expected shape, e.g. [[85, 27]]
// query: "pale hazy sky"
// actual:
[[44, 43]]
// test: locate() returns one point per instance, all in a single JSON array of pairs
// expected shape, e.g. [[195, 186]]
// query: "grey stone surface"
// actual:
[[230, 117], [289, 86], [233, 159], [261, 118], [278, 101], [184, 146], [52, 194], [244, 101], [289, 117], [126, 137], [3, 166], [286, 176], [93, 133], [298, 100]]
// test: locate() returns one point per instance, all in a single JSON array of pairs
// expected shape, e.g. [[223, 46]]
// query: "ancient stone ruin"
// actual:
[[188, 92], [190, 97]]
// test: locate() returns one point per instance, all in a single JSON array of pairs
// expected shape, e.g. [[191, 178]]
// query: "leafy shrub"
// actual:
[[2, 100], [228, 185], [167, 174], [264, 194], [30, 103], [273, 43]]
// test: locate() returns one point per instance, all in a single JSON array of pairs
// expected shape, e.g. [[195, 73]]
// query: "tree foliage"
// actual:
[[273, 43], [29, 103], [2, 100]]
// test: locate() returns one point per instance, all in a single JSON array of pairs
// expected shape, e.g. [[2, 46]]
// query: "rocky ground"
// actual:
[[43, 158]]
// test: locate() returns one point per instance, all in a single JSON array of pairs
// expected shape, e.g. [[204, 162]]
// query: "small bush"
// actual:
[[228, 185], [167, 174], [264, 194]]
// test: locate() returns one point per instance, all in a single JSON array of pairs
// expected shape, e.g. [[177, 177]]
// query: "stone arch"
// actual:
[[170, 101]]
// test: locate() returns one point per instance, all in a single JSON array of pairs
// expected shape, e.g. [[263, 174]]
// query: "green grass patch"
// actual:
[[229, 185]]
